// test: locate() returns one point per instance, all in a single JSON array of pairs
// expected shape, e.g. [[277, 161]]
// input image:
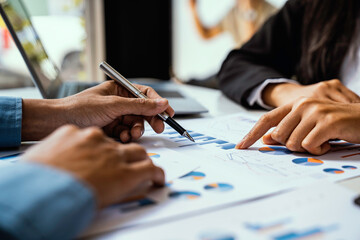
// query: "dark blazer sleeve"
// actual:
[[273, 52]]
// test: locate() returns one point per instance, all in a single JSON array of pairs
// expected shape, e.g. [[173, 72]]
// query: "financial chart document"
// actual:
[[222, 176]]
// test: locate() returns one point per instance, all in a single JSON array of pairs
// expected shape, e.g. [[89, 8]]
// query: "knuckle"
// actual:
[[304, 102], [335, 82], [277, 136], [265, 118], [69, 128], [142, 101], [149, 89], [293, 146], [93, 132], [308, 146], [323, 86], [332, 119]]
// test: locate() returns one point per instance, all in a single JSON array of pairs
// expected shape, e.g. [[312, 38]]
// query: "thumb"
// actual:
[[140, 106]]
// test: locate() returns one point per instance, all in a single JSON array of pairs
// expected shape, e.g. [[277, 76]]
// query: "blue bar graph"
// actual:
[[202, 140], [295, 235]]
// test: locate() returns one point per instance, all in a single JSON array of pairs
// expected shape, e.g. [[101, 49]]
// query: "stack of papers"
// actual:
[[215, 176]]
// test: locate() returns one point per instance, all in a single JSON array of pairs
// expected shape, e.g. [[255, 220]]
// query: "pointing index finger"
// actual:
[[266, 122]]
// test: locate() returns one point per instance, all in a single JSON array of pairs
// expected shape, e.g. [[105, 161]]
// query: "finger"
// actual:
[[152, 94], [136, 126], [267, 139], [132, 152], [137, 131], [353, 97], [139, 106], [316, 142], [286, 126], [145, 171], [294, 143], [125, 136], [266, 122], [337, 96], [156, 124]]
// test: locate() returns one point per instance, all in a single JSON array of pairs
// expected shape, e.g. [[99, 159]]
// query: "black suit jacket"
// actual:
[[273, 52]]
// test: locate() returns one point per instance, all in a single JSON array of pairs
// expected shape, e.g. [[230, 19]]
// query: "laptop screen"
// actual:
[[44, 72]]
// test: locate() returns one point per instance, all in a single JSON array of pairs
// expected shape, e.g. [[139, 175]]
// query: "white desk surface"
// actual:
[[213, 100]]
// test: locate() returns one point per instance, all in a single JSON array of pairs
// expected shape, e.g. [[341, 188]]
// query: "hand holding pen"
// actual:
[[116, 76]]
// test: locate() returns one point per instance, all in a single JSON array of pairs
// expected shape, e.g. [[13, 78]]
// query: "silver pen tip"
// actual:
[[187, 135]]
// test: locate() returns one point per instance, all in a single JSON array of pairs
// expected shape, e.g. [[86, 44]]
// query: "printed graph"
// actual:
[[308, 161], [154, 155], [136, 205], [266, 228], [348, 167], [194, 176], [219, 187], [307, 233], [217, 236], [184, 195], [201, 140], [333, 170], [273, 150]]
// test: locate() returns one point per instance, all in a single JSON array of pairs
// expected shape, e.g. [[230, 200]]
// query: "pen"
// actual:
[[116, 76]]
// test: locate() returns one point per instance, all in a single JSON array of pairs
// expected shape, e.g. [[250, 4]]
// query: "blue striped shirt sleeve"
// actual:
[[40, 202], [10, 121]]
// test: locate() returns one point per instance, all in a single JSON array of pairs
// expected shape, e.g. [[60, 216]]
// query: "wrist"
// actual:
[[41, 117], [278, 94]]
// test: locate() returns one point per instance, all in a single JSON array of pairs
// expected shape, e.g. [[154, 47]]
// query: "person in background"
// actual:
[[304, 60], [241, 22], [57, 186], [310, 48]]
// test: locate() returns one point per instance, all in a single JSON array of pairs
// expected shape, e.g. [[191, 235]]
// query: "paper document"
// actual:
[[225, 175], [173, 163], [320, 211]]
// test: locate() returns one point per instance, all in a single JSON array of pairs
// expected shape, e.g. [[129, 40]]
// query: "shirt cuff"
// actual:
[[39, 202], [10, 121], [255, 96]]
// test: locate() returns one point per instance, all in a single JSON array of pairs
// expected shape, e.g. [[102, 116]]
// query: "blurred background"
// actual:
[[61, 26], [157, 39]]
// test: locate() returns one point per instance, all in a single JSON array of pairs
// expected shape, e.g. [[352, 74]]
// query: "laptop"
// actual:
[[47, 77]]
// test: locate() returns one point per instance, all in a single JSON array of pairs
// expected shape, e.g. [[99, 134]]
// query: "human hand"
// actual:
[[114, 171], [280, 94], [307, 125], [108, 106]]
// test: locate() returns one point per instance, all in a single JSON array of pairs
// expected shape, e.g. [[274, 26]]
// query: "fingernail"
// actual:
[[161, 101], [239, 145]]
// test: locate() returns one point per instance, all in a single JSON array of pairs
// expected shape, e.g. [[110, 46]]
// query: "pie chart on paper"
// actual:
[[308, 161], [219, 187], [194, 176], [273, 150], [333, 170], [154, 155], [349, 167], [185, 195]]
